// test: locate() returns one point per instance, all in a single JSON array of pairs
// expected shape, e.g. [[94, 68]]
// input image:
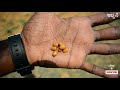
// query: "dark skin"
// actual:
[[43, 29]]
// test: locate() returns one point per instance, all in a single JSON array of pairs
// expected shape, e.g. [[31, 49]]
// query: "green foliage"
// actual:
[[11, 29], [23, 21], [2, 20], [9, 23]]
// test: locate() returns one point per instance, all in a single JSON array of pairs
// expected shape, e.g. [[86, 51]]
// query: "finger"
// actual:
[[108, 34], [105, 49], [103, 18], [91, 68]]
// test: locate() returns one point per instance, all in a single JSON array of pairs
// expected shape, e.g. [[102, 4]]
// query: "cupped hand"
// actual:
[[76, 33]]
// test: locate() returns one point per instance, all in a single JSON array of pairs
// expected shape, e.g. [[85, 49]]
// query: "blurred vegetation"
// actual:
[[13, 22]]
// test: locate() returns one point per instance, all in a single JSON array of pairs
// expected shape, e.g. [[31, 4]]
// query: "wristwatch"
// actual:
[[17, 51]]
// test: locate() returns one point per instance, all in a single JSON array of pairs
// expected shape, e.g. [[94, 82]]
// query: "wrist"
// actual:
[[6, 63], [31, 59]]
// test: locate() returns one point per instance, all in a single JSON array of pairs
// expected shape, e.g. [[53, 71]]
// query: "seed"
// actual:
[[59, 50], [62, 47], [54, 53], [55, 45], [53, 48], [60, 44], [65, 50]]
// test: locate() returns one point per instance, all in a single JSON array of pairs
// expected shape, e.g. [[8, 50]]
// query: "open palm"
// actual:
[[43, 29]]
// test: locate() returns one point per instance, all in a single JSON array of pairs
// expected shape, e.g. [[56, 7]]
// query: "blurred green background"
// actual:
[[13, 22]]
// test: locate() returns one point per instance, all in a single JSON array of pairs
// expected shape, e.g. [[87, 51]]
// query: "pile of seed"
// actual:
[[58, 47]]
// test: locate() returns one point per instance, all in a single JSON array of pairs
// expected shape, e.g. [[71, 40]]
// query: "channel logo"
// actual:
[[111, 71]]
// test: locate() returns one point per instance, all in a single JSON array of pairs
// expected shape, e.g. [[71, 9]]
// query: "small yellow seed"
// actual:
[[54, 53], [55, 45], [60, 44], [65, 50], [53, 48], [62, 47], [59, 50]]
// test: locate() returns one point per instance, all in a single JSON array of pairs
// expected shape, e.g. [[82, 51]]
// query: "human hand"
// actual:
[[43, 29]]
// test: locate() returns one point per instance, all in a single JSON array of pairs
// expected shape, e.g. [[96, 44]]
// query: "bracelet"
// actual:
[[17, 51]]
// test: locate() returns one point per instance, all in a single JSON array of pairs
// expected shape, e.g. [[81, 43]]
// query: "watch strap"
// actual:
[[17, 51]]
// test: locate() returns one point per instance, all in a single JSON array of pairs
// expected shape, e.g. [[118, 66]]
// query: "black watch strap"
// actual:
[[17, 51]]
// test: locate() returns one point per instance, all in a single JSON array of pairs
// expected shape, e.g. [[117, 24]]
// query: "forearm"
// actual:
[[6, 63]]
